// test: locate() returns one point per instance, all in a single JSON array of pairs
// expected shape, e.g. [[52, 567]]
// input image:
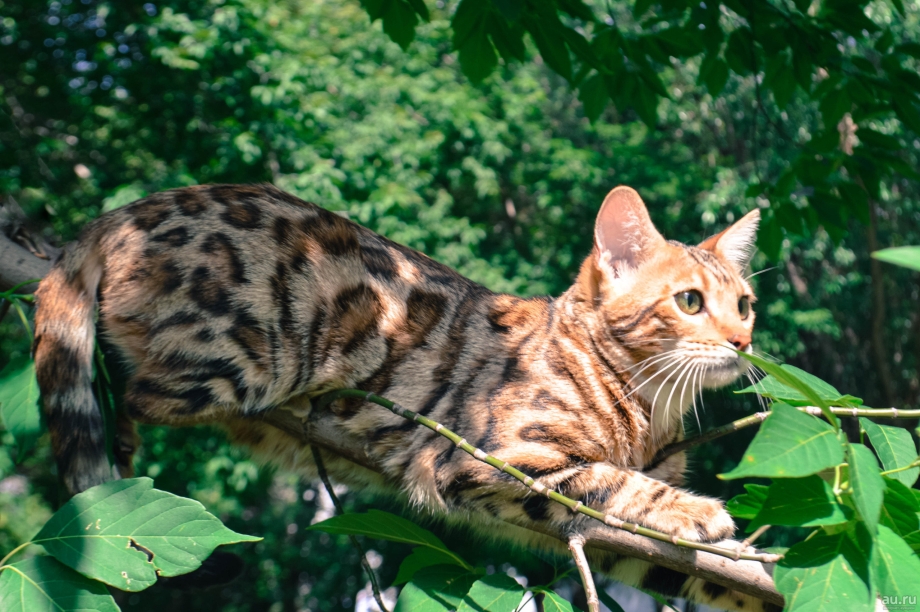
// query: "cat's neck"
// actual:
[[649, 385]]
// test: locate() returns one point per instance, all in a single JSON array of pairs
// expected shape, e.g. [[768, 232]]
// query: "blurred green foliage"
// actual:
[[104, 102]]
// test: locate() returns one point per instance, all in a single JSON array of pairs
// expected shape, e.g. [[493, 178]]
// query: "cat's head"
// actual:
[[673, 312]]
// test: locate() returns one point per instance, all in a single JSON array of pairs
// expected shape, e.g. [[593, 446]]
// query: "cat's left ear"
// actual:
[[736, 243]]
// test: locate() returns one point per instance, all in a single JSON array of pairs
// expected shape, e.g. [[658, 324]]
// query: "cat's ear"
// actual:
[[623, 233], [736, 243]]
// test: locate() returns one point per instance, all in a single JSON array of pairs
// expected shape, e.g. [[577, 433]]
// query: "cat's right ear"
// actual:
[[623, 233]]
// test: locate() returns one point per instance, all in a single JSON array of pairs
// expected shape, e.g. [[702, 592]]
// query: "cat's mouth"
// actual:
[[723, 366]]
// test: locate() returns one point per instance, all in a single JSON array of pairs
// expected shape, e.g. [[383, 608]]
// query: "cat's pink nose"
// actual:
[[740, 341]]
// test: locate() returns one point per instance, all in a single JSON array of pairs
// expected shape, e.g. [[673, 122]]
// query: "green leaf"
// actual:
[[551, 45], [895, 448], [495, 593], [19, 404], [900, 510], [827, 573], [717, 77], [420, 557], [553, 603], [805, 502], [789, 444], [811, 388], [399, 22], [419, 7], [43, 584], [510, 9], [774, 389], [435, 589], [908, 256], [609, 601], [477, 55], [783, 86], [834, 106], [125, 533], [509, 40], [868, 486], [906, 111], [895, 565], [739, 51], [593, 95], [385, 526], [747, 505]]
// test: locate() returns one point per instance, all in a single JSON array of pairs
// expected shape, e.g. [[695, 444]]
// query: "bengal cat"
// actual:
[[229, 301]]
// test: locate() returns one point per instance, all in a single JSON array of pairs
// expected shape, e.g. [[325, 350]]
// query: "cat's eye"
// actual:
[[744, 307], [690, 302]]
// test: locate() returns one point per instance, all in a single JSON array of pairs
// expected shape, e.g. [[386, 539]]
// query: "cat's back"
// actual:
[[263, 286]]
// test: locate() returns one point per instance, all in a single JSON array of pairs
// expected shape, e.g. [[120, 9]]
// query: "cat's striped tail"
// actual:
[[63, 349]]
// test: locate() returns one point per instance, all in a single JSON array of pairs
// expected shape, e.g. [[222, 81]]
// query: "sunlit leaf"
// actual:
[[866, 481], [908, 257], [895, 447], [825, 574], [436, 589], [789, 444], [125, 533], [896, 567]]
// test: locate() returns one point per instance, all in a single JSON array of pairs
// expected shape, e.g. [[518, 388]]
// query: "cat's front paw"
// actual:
[[696, 519]]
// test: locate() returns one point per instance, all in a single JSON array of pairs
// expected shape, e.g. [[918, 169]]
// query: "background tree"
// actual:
[[472, 139]]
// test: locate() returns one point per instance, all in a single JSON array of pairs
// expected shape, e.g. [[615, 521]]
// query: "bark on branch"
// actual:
[[751, 577]]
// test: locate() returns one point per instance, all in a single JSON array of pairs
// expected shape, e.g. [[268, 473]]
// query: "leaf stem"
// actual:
[[22, 316], [11, 553], [758, 417], [909, 466], [536, 486]]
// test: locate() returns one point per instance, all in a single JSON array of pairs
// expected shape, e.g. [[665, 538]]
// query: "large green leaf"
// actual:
[[125, 533], [436, 589], [19, 404], [908, 256], [900, 510], [895, 566], [747, 505], [867, 483], [804, 502], [386, 526], [773, 388], [895, 447], [420, 557], [495, 593], [813, 390], [789, 444], [827, 573], [43, 584]]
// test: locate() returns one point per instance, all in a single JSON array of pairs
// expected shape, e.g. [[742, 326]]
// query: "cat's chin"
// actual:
[[724, 372]]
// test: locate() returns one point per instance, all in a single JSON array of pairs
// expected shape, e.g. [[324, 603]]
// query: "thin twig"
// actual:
[[536, 486], [749, 541], [758, 417], [321, 469], [577, 547]]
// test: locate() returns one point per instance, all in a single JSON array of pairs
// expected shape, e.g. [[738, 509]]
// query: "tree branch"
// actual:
[[17, 265]]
